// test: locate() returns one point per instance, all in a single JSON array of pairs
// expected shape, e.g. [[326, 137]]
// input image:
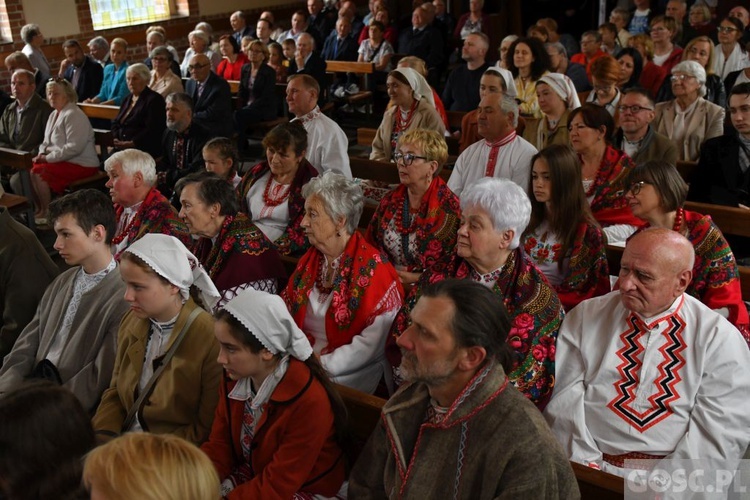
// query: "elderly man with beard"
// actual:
[[182, 143]]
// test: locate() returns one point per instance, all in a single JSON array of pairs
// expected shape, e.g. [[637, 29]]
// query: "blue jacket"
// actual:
[[114, 86]]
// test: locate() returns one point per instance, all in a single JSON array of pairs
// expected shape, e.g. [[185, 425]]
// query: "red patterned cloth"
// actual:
[[366, 285], [155, 215], [293, 241], [609, 204], [241, 254], [535, 311], [588, 272], [716, 279], [435, 225]]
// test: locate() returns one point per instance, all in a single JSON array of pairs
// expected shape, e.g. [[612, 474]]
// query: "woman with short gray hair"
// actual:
[[200, 43], [33, 38], [343, 294], [163, 80], [689, 119], [494, 214]]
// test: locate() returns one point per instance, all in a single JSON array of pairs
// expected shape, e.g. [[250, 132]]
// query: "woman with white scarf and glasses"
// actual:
[[166, 378], [557, 97], [689, 120], [278, 423], [413, 107]]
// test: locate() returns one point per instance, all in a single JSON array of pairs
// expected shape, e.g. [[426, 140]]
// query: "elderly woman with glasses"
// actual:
[[200, 43], [730, 54], [663, 31], [344, 293], [415, 224], [656, 194], [163, 80], [494, 214], [689, 119], [236, 254]]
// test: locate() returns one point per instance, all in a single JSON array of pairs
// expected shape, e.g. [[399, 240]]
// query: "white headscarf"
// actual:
[[169, 258], [419, 86], [564, 87], [267, 318], [510, 84]]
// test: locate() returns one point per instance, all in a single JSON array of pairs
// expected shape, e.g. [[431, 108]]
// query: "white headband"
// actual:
[[170, 259], [564, 87], [419, 86], [267, 318]]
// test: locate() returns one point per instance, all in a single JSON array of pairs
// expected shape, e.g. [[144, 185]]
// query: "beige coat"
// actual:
[[425, 116], [706, 122], [185, 396]]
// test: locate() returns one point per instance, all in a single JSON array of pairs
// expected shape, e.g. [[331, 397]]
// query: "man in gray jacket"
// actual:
[[73, 336]]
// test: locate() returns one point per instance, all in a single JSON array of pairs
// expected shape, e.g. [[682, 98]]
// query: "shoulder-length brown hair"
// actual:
[[569, 206]]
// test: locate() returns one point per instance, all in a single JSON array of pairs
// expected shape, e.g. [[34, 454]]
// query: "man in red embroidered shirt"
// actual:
[[591, 48], [460, 429], [649, 372], [502, 153], [140, 207]]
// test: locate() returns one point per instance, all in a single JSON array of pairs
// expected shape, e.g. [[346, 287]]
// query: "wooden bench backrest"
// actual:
[[234, 86], [686, 169], [13, 202], [597, 485], [361, 68], [102, 111], [15, 158], [455, 118], [365, 137], [731, 220]]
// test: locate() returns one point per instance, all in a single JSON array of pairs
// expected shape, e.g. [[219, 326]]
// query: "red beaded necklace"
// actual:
[[678, 218], [282, 193], [402, 124], [117, 239]]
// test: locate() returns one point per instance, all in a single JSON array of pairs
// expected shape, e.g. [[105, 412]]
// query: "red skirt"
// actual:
[[61, 174]]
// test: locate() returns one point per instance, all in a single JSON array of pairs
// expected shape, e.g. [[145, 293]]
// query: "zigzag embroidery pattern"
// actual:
[[631, 355]]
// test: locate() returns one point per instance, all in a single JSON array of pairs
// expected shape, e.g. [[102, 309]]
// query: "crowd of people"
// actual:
[[176, 357]]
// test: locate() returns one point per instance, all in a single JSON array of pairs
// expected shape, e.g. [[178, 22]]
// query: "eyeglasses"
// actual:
[[679, 78], [196, 66], [726, 29], [407, 158], [636, 187], [57, 79], [633, 109]]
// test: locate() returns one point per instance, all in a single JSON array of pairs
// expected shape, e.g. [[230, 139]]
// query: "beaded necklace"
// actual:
[[280, 193]]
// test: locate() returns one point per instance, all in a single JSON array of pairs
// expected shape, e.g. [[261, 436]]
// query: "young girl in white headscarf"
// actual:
[[413, 107], [166, 378], [557, 97], [275, 430]]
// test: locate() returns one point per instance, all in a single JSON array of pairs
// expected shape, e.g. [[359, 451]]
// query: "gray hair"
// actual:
[[181, 98], [200, 34], [66, 87], [623, 13], [99, 42], [141, 70], [509, 104], [162, 51], [509, 38], [29, 31], [342, 198], [694, 69], [505, 202], [308, 36], [560, 48], [133, 161]]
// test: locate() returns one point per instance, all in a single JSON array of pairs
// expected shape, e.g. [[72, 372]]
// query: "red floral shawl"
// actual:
[[716, 279], [155, 215], [588, 272], [609, 205], [241, 254], [535, 311], [365, 287], [293, 241], [436, 224]]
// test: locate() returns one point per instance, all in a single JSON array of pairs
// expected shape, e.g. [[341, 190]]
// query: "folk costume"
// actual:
[[263, 442], [673, 385], [181, 398], [239, 257], [509, 157], [327, 145], [534, 309], [490, 443], [606, 193], [152, 215], [584, 273], [416, 237], [279, 221], [348, 323]]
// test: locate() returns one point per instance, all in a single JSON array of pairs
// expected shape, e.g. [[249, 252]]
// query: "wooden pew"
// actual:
[[21, 161], [234, 86], [364, 414], [381, 171], [363, 70], [686, 169], [101, 111], [365, 137], [16, 204]]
